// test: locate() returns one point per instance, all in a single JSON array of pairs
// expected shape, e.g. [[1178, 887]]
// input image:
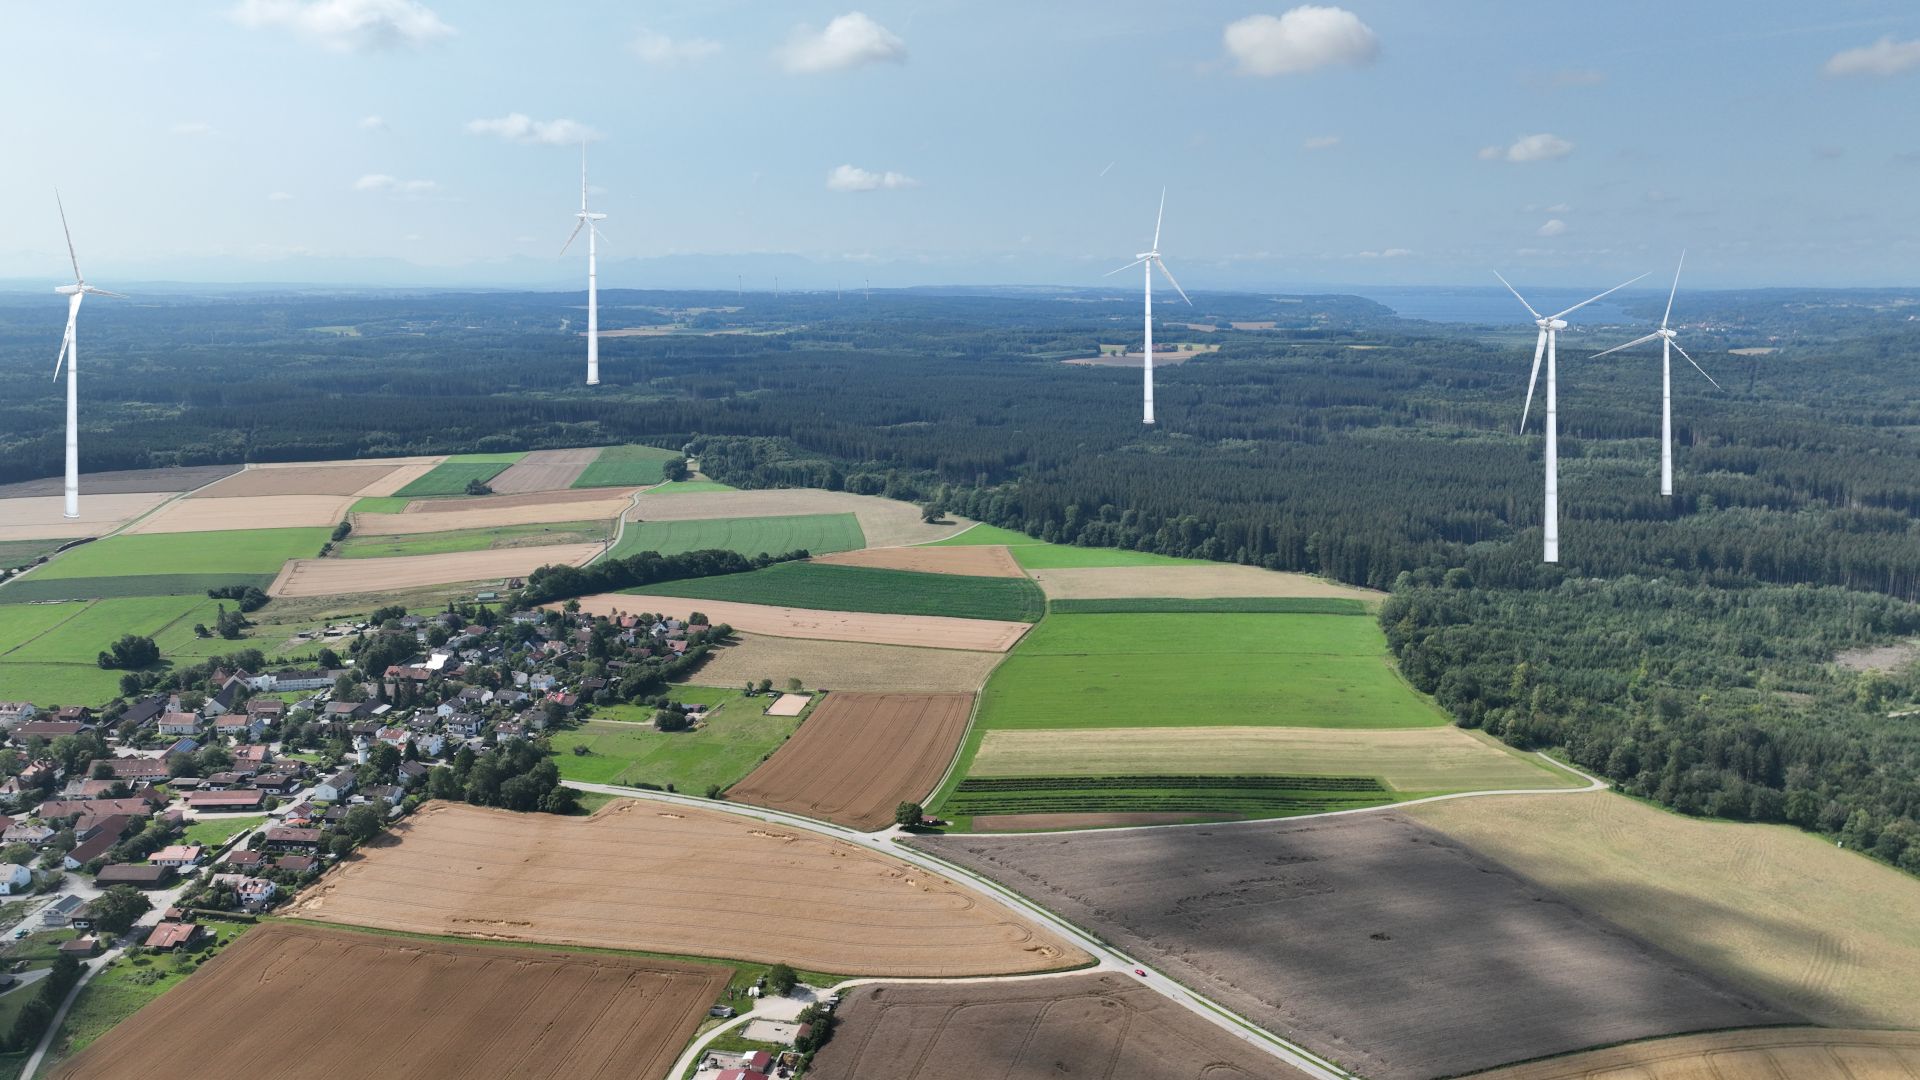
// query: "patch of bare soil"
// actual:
[[298, 480], [123, 481], [1796, 1053], [859, 756], [982, 560], [544, 470]]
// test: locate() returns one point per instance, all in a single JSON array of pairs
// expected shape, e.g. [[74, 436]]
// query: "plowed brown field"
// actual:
[[323, 1004], [846, 665], [1224, 580], [544, 470], [342, 577], [123, 481], [298, 480], [40, 517], [859, 756], [1093, 1026], [925, 631], [247, 512], [884, 522], [641, 875], [985, 560], [1778, 1054]]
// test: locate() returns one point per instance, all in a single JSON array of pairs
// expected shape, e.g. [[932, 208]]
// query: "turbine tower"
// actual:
[[1150, 259], [587, 219], [70, 355], [1669, 341], [1547, 344]]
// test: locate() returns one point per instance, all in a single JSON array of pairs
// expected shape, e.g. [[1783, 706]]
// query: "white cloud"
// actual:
[[1384, 253], [660, 50], [1559, 208], [1528, 149], [373, 123], [280, 196], [383, 182], [347, 25], [1883, 57], [849, 41], [521, 128], [1322, 142], [1553, 227], [1306, 38], [193, 128], [854, 178]]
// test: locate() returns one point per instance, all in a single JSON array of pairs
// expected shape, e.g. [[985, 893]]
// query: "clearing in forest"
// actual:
[[920, 631], [859, 588], [439, 1009], [809, 901], [778, 535]]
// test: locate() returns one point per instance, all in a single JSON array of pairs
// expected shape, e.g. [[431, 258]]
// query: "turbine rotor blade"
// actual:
[[66, 340], [572, 235], [1591, 299], [1628, 345], [1176, 285], [91, 291], [1675, 289], [1539, 350], [1698, 368], [1156, 220], [1517, 296], [69, 235], [602, 237], [1129, 266]]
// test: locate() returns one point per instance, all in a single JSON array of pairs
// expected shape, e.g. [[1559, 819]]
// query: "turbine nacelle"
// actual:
[[1551, 324], [1666, 333], [69, 290]]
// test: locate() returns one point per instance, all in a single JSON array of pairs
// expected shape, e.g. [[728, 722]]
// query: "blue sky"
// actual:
[[1380, 141]]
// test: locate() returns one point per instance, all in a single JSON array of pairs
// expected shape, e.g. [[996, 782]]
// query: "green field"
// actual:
[[685, 487], [21, 623], [505, 536], [22, 552], [36, 588], [89, 628], [379, 504], [166, 564], [1247, 796], [59, 684], [1034, 554], [213, 832], [627, 466], [451, 476], [1298, 605], [863, 588], [816, 533], [981, 535], [623, 748]]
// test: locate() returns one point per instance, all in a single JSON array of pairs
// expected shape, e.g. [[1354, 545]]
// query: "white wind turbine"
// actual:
[[70, 355], [1150, 259], [1668, 342], [587, 219], [1547, 344]]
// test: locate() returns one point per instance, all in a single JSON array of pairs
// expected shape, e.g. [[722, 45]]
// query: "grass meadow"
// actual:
[[1034, 554], [817, 533], [690, 487], [860, 588], [626, 466], [623, 748], [452, 476], [504, 536], [48, 651], [241, 551]]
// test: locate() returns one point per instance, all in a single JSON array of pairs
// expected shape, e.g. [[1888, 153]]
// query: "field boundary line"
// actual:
[[123, 527]]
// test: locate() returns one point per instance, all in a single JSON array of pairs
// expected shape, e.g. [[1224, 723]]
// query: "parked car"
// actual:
[[723, 1012]]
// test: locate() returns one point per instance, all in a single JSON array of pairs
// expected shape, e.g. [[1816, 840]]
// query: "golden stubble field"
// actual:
[[317, 478], [341, 577], [492, 512], [1769, 1054], [641, 875], [1828, 933], [41, 517], [1222, 580], [846, 665], [247, 512], [924, 631]]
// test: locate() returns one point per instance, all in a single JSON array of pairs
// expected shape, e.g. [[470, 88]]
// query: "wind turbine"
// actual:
[[1669, 341], [1547, 344], [70, 355], [1150, 259], [587, 219]]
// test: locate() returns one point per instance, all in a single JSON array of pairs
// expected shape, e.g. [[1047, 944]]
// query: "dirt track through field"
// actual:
[[544, 470], [1777, 1054], [321, 1004], [1097, 1027], [924, 631], [1223, 580], [846, 665], [539, 508], [248, 512], [984, 560], [340, 577], [885, 522], [640, 876], [1368, 939], [41, 517], [299, 480], [123, 482], [859, 756]]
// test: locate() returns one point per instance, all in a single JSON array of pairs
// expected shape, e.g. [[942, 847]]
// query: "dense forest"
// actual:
[[1683, 647]]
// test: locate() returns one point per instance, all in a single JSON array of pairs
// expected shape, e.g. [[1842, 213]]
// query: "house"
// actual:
[[464, 725], [335, 787], [48, 729], [179, 723], [178, 856], [61, 911], [94, 847], [295, 680], [222, 781], [27, 832], [238, 799], [390, 794], [296, 864], [138, 771], [280, 837], [144, 712], [86, 790], [275, 783], [179, 746], [251, 756], [225, 700], [509, 729], [299, 815], [413, 772], [245, 859], [81, 948], [15, 712], [395, 737], [348, 710], [240, 726], [14, 878], [140, 877], [132, 806], [267, 710], [254, 893], [173, 936]]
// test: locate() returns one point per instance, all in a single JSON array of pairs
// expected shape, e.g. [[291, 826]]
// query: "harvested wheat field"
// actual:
[[340, 577], [405, 472], [247, 512], [1370, 939], [1094, 1026], [340, 1004], [41, 517], [299, 480], [544, 470], [538, 508], [985, 560], [923, 631], [885, 522], [1777, 1054], [859, 756], [1825, 932], [642, 875], [1221, 580], [846, 665]]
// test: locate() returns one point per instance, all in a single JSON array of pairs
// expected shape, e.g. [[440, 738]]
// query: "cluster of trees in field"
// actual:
[[517, 775], [560, 581]]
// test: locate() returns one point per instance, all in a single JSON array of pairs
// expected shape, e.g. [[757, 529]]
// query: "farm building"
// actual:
[[178, 856], [238, 799], [61, 911], [140, 877]]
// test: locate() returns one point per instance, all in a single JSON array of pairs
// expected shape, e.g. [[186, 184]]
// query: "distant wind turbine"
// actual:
[[1669, 341], [587, 219], [1150, 259], [1547, 344], [70, 355]]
